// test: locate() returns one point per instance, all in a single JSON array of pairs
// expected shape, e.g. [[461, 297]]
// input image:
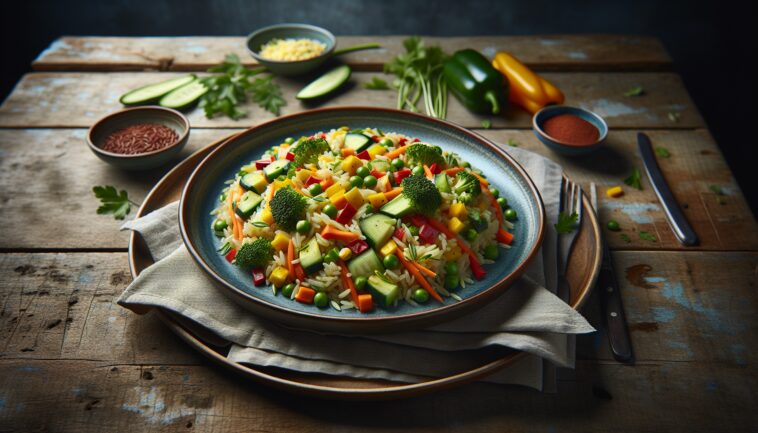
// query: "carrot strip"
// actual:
[[496, 205], [453, 171], [231, 199], [290, 258], [428, 173], [417, 274], [482, 180], [389, 195], [424, 270], [331, 233], [348, 282], [504, 237], [365, 303], [395, 153]]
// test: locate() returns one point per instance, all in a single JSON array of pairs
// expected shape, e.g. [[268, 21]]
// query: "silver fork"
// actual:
[[571, 202]]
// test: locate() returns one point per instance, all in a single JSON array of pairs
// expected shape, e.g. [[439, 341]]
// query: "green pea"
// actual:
[[332, 255], [362, 171], [491, 252], [386, 142], [495, 192], [315, 189], [420, 295], [391, 261], [470, 235], [303, 226], [321, 299], [397, 164], [510, 214], [451, 281], [614, 225], [289, 140], [502, 202], [451, 268], [219, 225], [369, 181], [417, 171], [331, 210], [356, 181], [288, 289], [414, 230], [360, 283]]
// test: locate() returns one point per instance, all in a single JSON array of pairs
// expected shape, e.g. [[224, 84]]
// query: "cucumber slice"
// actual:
[[325, 84], [275, 169], [247, 204], [184, 96], [310, 256], [365, 264], [378, 229], [400, 206], [357, 142], [153, 92], [384, 292]]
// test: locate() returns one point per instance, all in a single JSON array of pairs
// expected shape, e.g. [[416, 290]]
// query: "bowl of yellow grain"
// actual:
[[291, 49]]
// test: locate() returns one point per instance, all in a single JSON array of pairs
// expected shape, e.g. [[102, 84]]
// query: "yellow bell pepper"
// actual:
[[528, 90], [281, 241]]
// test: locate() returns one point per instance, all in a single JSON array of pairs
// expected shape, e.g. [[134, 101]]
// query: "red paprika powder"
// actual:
[[570, 129]]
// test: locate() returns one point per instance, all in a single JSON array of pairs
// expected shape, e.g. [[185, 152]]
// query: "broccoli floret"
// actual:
[[255, 254], [308, 151], [287, 208], [423, 194], [421, 153], [467, 187]]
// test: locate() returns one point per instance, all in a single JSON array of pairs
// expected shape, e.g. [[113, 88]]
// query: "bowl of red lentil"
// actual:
[[139, 138], [569, 130]]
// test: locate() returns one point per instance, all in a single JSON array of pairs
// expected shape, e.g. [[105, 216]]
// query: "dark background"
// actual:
[[712, 42]]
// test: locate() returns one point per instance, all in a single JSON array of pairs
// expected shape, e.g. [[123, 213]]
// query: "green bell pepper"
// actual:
[[475, 82]]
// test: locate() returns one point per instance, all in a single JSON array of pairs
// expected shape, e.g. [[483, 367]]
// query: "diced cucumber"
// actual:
[[247, 204], [310, 256], [154, 92], [185, 96], [442, 184], [357, 142], [365, 264], [384, 292], [378, 229], [400, 206], [325, 84], [276, 169], [255, 181], [380, 165]]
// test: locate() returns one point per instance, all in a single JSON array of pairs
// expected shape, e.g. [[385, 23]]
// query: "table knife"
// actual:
[[678, 222], [610, 303]]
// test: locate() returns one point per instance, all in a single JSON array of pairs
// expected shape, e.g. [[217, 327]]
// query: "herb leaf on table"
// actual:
[[635, 179], [113, 201], [376, 83], [566, 223], [635, 91], [647, 236]]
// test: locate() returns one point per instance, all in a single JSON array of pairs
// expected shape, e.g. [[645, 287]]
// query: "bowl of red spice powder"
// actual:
[[569, 130], [139, 138]]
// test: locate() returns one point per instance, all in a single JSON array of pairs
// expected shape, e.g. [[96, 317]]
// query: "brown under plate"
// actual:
[[584, 264]]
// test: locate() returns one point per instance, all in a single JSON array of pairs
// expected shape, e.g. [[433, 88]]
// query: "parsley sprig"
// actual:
[[376, 83], [566, 223], [419, 74], [113, 201], [635, 179]]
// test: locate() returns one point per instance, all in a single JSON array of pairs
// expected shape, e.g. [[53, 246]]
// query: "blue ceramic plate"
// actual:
[[200, 197]]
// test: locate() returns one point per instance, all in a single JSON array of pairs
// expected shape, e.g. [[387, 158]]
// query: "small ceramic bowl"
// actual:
[[561, 146], [131, 116], [291, 31]]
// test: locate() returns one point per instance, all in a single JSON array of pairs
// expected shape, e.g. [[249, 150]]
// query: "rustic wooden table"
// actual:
[[72, 360]]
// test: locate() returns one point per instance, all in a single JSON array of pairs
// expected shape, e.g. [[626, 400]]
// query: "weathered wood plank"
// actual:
[[71, 170], [549, 52], [79, 99]]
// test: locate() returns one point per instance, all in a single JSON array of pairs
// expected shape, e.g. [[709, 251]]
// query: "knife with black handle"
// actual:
[[678, 222]]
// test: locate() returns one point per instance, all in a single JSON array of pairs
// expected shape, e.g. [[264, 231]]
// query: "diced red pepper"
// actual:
[[260, 165], [428, 233], [376, 173], [346, 214], [401, 142], [299, 272], [364, 155], [311, 180], [290, 156], [416, 140], [400, 175], [259, 277], [323, 136], [476, 267], [434, 168], [399, 233], [416, 220], [231, 255], [357, 246], [375, 138]]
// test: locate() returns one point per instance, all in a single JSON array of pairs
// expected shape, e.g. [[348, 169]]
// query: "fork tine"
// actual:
[[564, 195], [578, 202]]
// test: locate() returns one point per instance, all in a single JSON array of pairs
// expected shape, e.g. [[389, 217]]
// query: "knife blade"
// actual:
[[610, 302], [674, 215]]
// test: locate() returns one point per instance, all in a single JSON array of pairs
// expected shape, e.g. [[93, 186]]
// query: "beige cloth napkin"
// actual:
[[527, 317]]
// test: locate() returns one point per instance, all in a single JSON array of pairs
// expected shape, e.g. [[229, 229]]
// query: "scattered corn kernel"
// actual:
[[279, 276], [354, 197], [351, 163], [377, 200], [455, 225], [334, 189], [614, 192], [458, 210], [345, 253], [281, 241], [389, 248]]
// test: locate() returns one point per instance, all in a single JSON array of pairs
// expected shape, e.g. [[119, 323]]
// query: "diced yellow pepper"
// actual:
[[455, 225], [281, 241], [303, 175], [376, 149], [345, 253], [351, 164], [279, 276], [614, 192], [334, 189], [389, 248], [266, 216], [377, 200], [355, 198], [338, 199], [453, 254], [458, 210]]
